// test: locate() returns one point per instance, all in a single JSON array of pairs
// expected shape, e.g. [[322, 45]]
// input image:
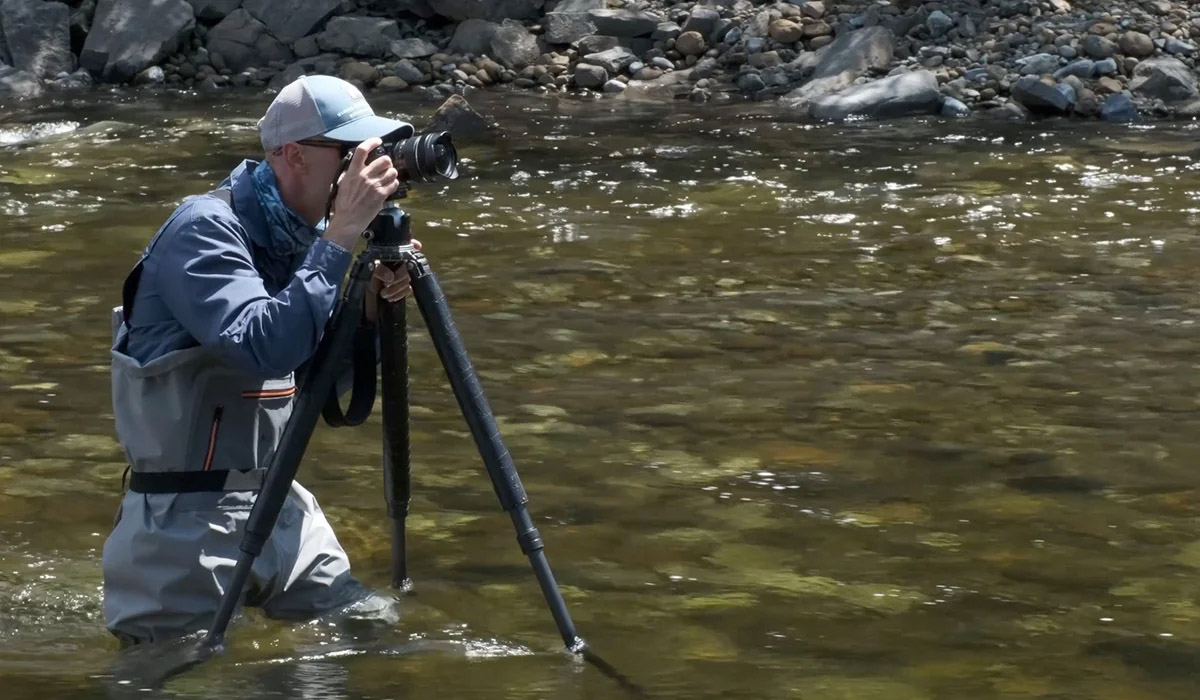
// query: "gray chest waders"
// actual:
[[391, 243]]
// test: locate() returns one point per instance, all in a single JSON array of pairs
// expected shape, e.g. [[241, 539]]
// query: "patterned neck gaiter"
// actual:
[[289, 233]]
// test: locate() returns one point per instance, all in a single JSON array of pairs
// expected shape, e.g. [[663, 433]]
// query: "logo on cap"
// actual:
[[352, 91]]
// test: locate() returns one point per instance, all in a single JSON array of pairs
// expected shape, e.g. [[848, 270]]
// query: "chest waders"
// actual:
[[391, 244]]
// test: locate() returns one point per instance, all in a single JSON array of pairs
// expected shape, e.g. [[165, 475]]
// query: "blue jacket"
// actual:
[[211, 278]]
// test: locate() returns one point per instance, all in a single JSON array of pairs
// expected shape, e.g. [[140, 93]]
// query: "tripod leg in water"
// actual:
[[397, 474], [507, 484]]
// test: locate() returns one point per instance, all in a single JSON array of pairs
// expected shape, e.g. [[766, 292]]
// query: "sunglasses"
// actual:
[[343, 147]]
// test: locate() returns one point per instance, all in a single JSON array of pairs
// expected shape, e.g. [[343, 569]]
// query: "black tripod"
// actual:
[[391, 244]]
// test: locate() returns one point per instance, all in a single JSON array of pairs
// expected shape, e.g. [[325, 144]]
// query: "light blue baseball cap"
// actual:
[[324, 106]]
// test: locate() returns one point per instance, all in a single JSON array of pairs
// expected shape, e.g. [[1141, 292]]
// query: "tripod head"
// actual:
[[390, 237]]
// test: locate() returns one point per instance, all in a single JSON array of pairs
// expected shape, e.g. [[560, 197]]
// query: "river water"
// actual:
[[899, 410]]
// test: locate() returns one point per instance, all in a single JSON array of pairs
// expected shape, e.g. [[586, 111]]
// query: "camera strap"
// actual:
[[362, 391]]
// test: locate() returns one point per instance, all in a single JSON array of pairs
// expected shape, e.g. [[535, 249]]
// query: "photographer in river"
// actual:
[[229, 298]]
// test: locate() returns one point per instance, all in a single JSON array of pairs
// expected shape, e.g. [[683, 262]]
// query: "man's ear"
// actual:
[[293, 155]]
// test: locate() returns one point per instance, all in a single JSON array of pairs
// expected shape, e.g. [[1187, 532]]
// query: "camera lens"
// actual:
[[427, 156]]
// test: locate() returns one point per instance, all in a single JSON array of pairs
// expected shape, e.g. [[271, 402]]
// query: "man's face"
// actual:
[[323, 159]]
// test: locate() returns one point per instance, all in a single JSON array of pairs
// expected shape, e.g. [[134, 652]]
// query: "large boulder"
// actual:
[[902, 95], [494, 10], [1166, 79], [836, 66], [509, 42], [38, 36], [359, 35], [242, 41], [130, 35], [214, 10], [289, 20]]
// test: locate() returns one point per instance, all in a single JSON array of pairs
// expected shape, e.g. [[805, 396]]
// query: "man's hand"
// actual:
[[362, 191], [391, 285]]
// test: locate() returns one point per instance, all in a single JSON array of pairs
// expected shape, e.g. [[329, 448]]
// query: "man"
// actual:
[[229, 298]]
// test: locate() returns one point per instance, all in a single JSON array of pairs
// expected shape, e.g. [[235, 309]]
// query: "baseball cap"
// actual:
[[321, 105]]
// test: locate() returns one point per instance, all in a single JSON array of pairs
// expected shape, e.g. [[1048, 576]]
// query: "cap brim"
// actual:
[[370, 126]]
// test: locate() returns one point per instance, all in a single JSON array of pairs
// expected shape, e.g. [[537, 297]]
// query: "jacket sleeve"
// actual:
[[206, 276]]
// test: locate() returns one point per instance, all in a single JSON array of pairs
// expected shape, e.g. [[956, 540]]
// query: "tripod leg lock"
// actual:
[[530, 540]]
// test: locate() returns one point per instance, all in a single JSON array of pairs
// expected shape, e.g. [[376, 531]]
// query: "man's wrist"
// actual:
[[342, 236]]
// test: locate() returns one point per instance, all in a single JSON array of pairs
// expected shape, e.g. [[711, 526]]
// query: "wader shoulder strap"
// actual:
[[129, 289]]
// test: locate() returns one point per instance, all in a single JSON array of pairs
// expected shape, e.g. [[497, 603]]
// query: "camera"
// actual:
[[421, 157]]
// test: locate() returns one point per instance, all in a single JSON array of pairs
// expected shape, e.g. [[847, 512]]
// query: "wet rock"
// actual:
[[1166, 79], [590, 76], [836, 66], [750, 82], [1040, 97], [613, 60], [412, 48], [901, 95], [614, 86], [358, 35], [239, 41], [647, 73], [38, 36], [130, 35], [18, 83], [153, 75], [625, 23], [954, 109], [289, 20], [1119, 108], [458, 117]]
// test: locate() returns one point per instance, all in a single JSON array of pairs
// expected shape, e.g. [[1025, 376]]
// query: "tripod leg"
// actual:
[[478, 415], [397, 474]]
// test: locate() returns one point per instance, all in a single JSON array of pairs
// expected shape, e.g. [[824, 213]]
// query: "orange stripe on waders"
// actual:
[[272, 394], [212, 439]]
